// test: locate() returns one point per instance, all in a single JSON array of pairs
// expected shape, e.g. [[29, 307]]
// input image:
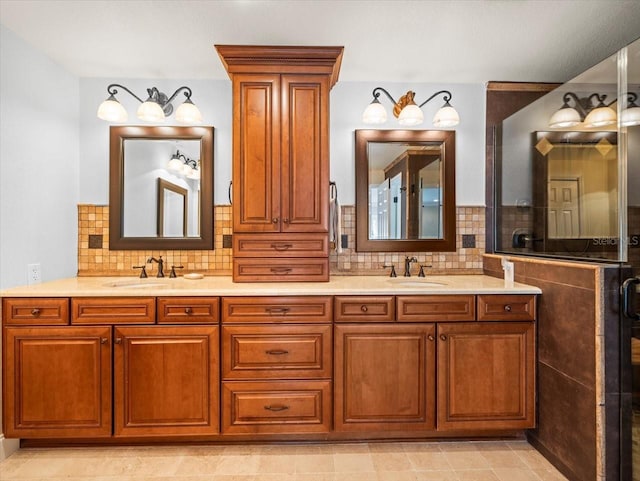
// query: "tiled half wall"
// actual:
[[95, 258]]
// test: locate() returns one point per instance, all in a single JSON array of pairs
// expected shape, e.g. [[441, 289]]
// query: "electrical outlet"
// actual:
[[34, 274]]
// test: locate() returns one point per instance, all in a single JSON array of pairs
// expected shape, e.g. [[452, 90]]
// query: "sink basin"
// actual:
[[420, 282], [136, 284]]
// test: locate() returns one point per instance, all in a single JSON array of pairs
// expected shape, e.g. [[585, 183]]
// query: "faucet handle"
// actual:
[[422, 266], [393, 270], [143, 272], [172, 274]]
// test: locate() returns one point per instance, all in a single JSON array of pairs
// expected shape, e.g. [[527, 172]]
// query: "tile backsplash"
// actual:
[[95, 258]]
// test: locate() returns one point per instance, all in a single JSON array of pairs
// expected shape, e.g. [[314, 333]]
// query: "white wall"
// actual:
[[38, 164], [348, 100]]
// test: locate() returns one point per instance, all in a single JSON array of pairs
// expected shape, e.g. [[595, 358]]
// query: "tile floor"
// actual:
[[444, 461]]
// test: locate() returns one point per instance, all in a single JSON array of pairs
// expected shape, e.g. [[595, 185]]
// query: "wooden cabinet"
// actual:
[[486, 376], [57, 382], [166, 380], [281, 158], [385, 377], [276, 365]]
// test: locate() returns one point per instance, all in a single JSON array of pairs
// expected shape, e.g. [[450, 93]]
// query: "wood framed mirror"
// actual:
[[405, 191], [139, 161]]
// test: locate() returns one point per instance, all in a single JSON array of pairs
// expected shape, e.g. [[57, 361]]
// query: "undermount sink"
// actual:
[[419, 282], [136, 284]]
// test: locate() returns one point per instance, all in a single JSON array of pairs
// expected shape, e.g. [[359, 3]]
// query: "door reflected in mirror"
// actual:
[[173, 213], [405, 190]]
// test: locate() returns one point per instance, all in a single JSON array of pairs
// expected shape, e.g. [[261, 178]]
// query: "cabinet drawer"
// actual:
[[276, 407], [436, 308], [191, 310], [283, 352], [299, 309], [45, 311], [113, 310], [280, 245], [506, 308], [280, 270], [365, 309]]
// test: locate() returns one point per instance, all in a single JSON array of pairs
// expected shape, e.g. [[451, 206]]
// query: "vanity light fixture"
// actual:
[[408, 112], [594, 116], [155, 109], [183, 165]]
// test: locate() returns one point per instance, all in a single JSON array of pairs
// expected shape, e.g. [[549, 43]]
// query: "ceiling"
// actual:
[[396, 41]]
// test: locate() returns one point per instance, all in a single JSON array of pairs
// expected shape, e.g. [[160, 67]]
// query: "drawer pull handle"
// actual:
[[281, 270], [103, 340], [277, 310], [276, 408], [188, 310], [118, 340], [364, 308], [35, 312], [276, 352], [507, 308], [281, 247], [431, 338], [443, 337]]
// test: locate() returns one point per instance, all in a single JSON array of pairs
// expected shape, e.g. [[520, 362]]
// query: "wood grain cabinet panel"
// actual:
[[436, 308], [486, 376], [113, 310], [277, 309], [57, 382], [384, 377], [166, 380], [189, 310], [272, 407], [365, 309], [281, 270], [277, 352], [280, 245], [510, 307], [42, 311]]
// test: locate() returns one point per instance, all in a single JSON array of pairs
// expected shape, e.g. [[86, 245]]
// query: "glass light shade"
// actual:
[[175, 164], [600, 117], [195, 174], [112, 111], [446, 116], [150, 111], [630, 117], [187, 170], [188, 113], [375, 113], [564, 117], [411, 115]]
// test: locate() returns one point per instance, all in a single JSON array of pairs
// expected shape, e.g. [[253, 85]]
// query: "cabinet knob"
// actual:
[[443, 337], [103, 340], [188, 310], [118, 340], [431, 338], [364, 308], [285, 220], [275, 220], [35, 312], [507, 308], [276, 408]]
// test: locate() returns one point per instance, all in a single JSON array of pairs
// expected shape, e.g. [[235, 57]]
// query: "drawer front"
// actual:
[[436, 308], [280, 270], [45, 311], [190, 310], [113, 310], [280, 245], [506, 308], [276, 407], [365, 309], [299, 309], [276, 352]]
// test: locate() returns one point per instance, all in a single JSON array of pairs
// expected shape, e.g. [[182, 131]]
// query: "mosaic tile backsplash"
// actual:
[[95, 258]]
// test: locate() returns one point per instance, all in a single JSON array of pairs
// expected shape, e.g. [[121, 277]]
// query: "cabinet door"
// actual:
[[166, 380], [57, 382], [305, 153], [256, 153], [486, 375], [384, 377]]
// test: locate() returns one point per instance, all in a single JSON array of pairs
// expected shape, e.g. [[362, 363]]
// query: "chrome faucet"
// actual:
[[407, 265], [160, 262]]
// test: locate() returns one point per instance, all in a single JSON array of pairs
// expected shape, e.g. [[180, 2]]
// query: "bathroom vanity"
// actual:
[[115, 360]]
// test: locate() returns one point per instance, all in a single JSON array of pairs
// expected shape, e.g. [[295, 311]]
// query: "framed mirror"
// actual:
[[405, 191], [161, 188]]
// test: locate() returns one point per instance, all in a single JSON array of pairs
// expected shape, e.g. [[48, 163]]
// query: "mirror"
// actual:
[[405, 191], [153, 205]]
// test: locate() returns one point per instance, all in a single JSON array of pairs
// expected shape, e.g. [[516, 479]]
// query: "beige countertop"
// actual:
[[223, 286]]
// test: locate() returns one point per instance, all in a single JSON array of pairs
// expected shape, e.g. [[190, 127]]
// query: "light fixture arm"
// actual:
[[631, 99], [376, 94], [187, 93], [446, 97], [111, 89], [155, 95]]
